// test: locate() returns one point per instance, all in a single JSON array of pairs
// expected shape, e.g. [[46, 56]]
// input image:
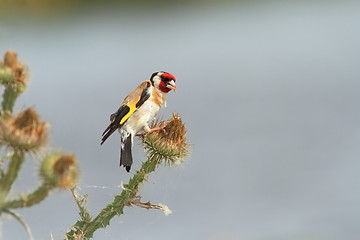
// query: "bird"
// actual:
[[137, 110]]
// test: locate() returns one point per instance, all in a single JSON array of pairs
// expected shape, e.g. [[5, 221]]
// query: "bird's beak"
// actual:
[[171, 85]]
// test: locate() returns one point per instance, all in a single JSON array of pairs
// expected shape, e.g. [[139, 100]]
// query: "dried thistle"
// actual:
[[23, 132], [59, 170], [18, 70], [13, 76], [168, 145]]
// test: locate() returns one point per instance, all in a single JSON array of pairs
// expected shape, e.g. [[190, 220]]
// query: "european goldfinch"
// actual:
[[137, 110]]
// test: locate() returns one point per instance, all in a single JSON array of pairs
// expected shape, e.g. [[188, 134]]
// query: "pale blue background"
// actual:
[[269, 92]]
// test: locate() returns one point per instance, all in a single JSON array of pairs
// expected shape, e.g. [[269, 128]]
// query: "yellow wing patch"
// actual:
[[132, 109]]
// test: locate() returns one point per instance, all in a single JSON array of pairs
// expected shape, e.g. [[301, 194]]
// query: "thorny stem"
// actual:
[[81, 202], [9, 97], [13, 87], [86, 230], [169, 148], [26, 201], [8, 179]]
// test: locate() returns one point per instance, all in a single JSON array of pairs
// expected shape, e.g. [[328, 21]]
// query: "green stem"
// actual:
[[11, 92], [9, 97], [26, 201], [8, 179], [86, 230], [81, 202]]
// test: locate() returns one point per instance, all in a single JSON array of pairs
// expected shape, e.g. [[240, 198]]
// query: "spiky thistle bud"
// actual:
[[59, 170], [18, 69], [23, 132], [13, 75], [168, 145]]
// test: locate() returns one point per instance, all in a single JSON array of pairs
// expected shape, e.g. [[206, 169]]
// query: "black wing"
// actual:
[[119, 118]]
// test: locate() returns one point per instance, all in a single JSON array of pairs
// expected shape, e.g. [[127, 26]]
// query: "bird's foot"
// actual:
[[160, 128], [150, 131], [157, 129]]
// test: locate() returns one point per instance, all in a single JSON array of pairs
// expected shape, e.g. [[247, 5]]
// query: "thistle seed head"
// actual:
[[168, 145], [23, 132], [59, 170], [19, 72]]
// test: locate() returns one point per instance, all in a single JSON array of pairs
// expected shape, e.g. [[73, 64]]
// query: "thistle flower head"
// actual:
[[10, 59], [23, 132], [19, 72], [59, 170], [169, 144]]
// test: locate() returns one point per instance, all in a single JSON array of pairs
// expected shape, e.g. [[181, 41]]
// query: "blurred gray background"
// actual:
[[269, 92]]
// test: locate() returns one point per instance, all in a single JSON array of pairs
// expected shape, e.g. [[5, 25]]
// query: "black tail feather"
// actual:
[[115, 119], [126, 159], [109, 130]]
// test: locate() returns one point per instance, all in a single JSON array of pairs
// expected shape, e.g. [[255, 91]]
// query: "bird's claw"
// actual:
[[160, 128]]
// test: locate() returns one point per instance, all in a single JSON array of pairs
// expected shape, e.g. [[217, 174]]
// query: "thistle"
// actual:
[[56, 170], [19, 70], [59, 170], [23, 132], [13, 75], [168, 145]]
